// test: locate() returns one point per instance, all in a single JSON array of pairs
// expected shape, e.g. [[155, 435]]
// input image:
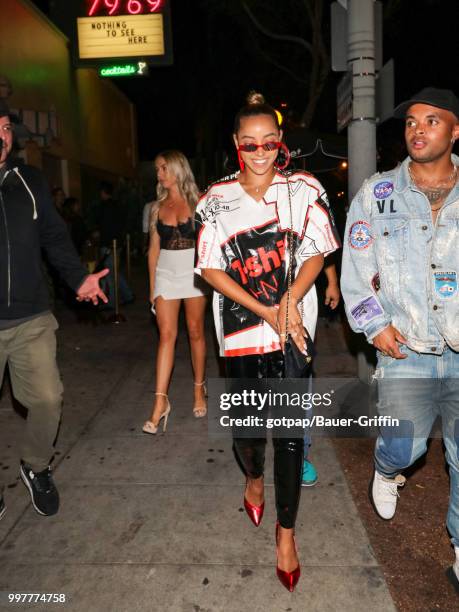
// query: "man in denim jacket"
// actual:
[[400, 286]]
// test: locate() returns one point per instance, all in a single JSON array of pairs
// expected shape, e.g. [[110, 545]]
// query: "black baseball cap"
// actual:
[[441, 98], [4, 110]]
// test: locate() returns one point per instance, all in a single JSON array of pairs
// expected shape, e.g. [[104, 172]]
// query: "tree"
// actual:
[[288, 35]]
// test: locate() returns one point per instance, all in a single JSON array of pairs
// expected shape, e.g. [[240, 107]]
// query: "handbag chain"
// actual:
[[290, 262]]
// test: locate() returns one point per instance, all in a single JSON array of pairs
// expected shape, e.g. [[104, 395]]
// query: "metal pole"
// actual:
[[362, 129], [361, 61], [128, 258], [117, 317], [116, 279]]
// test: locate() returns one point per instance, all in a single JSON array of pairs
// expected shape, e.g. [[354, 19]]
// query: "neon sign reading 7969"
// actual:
[[123, 7]]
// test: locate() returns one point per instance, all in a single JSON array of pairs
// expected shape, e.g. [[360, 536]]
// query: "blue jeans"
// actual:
[[416, 390], [125, 292]]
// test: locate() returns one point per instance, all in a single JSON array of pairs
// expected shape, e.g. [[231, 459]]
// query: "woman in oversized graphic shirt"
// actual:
[[242, 224]]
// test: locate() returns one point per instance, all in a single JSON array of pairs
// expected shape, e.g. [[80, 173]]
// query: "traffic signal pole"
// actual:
[[361, 61], [362, 128]]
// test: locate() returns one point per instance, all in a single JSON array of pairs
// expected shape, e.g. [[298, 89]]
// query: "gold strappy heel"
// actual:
[[200, 410], [149, 427]]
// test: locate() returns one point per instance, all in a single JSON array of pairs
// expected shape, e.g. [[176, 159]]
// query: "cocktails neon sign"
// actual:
[[123, 7], [139, 69]]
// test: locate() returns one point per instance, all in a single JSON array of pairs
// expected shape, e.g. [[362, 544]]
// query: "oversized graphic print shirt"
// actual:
[[248, 240]]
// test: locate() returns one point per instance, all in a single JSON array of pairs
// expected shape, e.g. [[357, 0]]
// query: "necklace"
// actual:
[[435, 193], [258, 188]]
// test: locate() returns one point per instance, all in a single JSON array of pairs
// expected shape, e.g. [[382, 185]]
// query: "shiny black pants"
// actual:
[[288, 453]]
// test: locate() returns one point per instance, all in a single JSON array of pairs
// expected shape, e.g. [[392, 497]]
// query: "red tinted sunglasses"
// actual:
[[251, 147]]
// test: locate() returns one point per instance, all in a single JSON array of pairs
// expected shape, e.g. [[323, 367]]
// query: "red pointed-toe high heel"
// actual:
[[255, 513], [288, 579]]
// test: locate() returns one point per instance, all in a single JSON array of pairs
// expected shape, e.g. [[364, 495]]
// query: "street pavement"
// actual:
[[155, 523]]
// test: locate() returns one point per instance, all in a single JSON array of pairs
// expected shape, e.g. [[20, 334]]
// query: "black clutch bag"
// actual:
[[296, 363]]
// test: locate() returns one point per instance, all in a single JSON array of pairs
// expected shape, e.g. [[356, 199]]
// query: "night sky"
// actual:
[[219, 57]]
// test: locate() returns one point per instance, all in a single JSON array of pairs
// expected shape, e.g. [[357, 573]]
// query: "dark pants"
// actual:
[[288, 453]]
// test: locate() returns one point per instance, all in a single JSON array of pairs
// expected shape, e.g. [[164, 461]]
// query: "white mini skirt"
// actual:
[[175, 278]]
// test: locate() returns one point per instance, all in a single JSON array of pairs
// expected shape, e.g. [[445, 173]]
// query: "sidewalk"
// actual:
[[156, 523]]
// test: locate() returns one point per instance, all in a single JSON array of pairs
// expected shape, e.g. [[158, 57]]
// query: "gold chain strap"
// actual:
[[290, 262], [290, 266]]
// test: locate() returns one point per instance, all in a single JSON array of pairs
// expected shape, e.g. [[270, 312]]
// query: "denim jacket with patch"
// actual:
[[399, 267]]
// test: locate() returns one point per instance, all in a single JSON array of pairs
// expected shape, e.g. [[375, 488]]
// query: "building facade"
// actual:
[[74, 125]]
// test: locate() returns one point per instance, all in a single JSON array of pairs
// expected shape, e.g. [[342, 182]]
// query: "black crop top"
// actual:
[[176, 237]]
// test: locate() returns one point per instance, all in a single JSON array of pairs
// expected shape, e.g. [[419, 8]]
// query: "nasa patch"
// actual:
[[383, 190], [360, 235], [445, 284]]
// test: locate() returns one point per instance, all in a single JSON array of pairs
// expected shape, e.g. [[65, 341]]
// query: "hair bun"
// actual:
[[254, 98]]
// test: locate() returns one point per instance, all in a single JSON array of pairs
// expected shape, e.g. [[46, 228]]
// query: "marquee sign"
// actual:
[[128, 36], [121, 32]]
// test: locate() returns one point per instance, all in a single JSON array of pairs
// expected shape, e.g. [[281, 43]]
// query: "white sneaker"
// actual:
[[452, 573], [456, 563], [384, 494]]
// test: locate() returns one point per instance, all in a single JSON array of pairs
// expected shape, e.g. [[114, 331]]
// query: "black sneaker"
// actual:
[[2, 508], [45, 498]]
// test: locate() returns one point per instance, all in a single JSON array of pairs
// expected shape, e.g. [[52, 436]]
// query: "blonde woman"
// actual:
[[170, 266]]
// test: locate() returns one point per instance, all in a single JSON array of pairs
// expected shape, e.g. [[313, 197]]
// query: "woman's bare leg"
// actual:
[[167, 314], [194, 313]]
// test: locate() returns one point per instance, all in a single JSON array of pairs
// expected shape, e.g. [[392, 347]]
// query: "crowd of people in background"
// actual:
[[92, 231]]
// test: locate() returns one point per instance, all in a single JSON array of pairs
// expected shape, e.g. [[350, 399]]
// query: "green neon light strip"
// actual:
[[114, 71]]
